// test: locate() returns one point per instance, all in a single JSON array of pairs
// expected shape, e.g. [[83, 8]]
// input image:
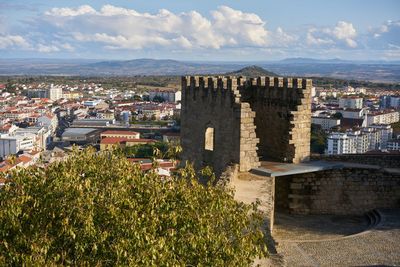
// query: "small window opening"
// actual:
[[209, 139]]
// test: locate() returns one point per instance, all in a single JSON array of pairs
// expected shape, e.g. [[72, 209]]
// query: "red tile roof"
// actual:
[[24, 159], [117, 140], [120, 132]]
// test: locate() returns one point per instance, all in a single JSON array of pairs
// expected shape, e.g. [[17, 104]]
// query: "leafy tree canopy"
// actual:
[[98, 209]]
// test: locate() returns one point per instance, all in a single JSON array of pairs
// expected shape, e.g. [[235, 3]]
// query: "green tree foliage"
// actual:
[[318, 139], [98, 209], [145, 150]]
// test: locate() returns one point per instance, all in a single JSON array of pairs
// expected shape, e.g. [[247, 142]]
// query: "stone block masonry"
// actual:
[[234, 120], [339, 191]]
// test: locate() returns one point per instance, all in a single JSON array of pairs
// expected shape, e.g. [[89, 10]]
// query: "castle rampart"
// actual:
[[238, 120]]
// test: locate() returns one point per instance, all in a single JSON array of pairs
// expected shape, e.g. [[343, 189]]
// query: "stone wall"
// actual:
[[215, 102], [338, 191], [283, 116], [391, 160], [251, 118]]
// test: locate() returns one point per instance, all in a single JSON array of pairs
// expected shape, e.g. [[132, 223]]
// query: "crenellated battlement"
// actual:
[[234, 82]]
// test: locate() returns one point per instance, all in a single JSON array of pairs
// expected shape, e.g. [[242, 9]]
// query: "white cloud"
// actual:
[[128, 29], [47, 48], [313, 40], [345, 31], [70, 12], [239, 27], [13, 41], [385, 36]]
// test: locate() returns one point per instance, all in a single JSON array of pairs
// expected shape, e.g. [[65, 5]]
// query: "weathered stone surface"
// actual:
[[339, 191], [265, 117]]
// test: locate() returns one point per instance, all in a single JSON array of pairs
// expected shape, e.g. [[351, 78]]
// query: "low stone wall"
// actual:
[[338, 191], [383, 160]]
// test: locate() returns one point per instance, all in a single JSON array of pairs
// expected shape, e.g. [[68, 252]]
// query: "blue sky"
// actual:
[[200, 30]]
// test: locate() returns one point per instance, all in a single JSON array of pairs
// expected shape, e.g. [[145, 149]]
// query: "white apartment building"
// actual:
[[42, 136], [91, 103], [368, 138], [353, 113], [385, 117], [360, 142], [395, 102], [385, 133], [340, 143], [393, 145], [351, 102], [326, 122], [168, 95], [49, 121], [55, 92], [10, 145]]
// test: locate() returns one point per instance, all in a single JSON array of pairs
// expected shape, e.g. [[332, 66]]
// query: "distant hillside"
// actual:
[[153, 67], [252, 71], [388, 72]]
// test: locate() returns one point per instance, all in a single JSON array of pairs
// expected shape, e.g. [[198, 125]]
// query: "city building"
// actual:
[[353, 113], [169, 95], [387, 102], [393, 145], [91, 103], [325, 121], [92, 122], [81, 135], [120, 134], [55, 92], [351, 102], [340, 143], [11, 145], [375, 137], [383, 117]]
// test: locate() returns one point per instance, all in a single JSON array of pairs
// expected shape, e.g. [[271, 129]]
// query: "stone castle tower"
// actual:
[[234, 120]]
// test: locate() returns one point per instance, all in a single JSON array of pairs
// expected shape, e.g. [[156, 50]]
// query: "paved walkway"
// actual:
[[379, 246], [325, 240]]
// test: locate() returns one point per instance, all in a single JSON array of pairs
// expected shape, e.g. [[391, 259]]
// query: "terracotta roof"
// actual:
[[120, 132], [24, 159], [5, 167], [117, 140]]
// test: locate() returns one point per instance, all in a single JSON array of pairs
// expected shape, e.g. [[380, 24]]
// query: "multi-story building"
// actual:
[[385, 133], [11, 145], [120, 134], [55, 92], [395, 102], [50, 121], [37, 93], [170, 95], [383, 117], [326, 122], [387, 101], [393, 145], [366, 139], [340, 143], [351, 102], [353, 113]]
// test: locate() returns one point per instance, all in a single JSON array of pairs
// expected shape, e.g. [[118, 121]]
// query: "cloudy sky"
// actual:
[[200, 30]]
